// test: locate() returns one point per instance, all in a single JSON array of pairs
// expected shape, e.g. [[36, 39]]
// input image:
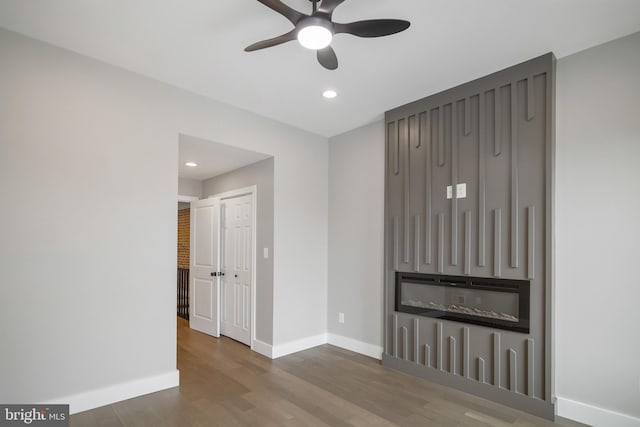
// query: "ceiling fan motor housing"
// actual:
[[315, 21]]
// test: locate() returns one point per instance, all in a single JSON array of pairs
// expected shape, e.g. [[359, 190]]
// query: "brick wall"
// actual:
[[183, 238]]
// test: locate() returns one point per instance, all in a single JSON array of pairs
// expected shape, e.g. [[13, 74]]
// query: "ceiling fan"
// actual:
[[316, 31]]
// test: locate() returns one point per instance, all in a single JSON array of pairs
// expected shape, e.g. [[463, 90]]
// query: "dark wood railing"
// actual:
[[183, 293]]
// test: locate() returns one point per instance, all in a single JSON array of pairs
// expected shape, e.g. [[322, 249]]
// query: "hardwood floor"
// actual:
[[223, 383]]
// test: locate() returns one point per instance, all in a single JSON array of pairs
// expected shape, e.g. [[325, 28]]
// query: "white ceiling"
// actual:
[[212, 158], [198, 45]]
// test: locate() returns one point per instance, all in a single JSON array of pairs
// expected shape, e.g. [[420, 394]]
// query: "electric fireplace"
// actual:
[[497, 303]]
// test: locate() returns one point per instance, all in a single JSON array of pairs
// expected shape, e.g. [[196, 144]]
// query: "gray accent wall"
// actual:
[[261, 175], [494, 135]]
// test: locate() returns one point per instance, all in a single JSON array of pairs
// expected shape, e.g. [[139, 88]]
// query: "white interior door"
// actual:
[[204, 267], [237, 237]]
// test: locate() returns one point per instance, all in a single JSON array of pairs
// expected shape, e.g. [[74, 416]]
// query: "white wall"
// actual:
[[598, 232], [89, 154], [356, 238]]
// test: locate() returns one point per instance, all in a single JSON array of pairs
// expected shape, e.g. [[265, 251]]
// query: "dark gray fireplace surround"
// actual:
[[468, 237]]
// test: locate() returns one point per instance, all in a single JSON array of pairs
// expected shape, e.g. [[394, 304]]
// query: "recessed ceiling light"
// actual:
[[330, 94], [191, 164]]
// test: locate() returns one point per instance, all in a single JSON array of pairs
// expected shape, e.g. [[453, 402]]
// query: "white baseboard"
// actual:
[[298, 345], [593, 415], [338, 340], [356, 346], [263, 348], [105, 396]]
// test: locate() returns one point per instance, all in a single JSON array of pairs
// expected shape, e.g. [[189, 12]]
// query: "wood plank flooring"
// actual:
[[223, 383]]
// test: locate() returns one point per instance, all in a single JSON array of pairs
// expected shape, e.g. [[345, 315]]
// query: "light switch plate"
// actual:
[[265, 253], [449, 192], [461, 191]]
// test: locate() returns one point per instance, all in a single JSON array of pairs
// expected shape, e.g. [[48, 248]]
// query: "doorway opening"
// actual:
[[229, 205]]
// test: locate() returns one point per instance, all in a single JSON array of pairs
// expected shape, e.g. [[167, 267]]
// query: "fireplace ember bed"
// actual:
[[496, 303]]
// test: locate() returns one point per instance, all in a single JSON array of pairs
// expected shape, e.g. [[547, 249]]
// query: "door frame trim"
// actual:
[[245, 191], [187, 199]]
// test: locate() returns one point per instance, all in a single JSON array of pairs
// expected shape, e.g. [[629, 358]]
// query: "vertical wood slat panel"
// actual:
[[405, 343], [416, 242], [395, 335], [515, 229], [439, 364], [531, 100], [513, 371], [396, 242], [548, 216], [482, 180], [403, 139], [414, 130], [497, 123], [454, 182], [481, 376], [467, 116], [497, 242], [440, 243], [413, 136], [467, 242], [427, 355], [530, 368], [428, 185], [466, 352], [441, 153], [416, 340], [452, 356], [531, 242], [496, 359], [394, 147]]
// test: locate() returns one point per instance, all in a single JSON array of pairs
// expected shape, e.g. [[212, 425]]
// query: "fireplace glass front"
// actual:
[[497, 303]]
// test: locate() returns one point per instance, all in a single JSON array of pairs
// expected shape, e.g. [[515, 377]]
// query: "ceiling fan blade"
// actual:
[[373, 27], [328, 6], [291, 35], [291, 14], [327, 58]]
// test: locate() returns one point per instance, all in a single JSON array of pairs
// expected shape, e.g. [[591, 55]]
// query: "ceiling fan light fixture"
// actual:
[[315, 31], [315, 34]]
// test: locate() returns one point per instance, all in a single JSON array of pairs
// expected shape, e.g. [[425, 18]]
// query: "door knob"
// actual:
[[214, 274], [235, 275]]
